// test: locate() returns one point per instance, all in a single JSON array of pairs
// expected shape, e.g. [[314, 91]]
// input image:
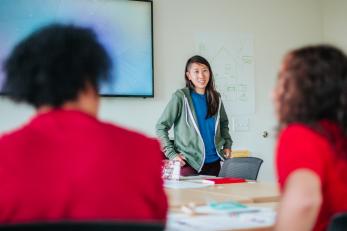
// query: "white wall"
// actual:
[[334, 23], [277, 25]]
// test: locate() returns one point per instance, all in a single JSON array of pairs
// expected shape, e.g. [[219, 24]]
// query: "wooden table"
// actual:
[[180, 197], [262, 194], [257, 192]]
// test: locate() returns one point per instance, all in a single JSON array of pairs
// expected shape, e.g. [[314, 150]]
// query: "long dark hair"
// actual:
[[314, 82], [211, 93]]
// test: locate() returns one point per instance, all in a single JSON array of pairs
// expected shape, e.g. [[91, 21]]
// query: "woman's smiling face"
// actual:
[[199, 75]]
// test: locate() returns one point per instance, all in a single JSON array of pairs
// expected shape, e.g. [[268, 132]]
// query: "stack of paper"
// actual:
[[182, 222], [222, 216]]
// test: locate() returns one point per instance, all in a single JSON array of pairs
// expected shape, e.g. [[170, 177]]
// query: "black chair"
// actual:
[[338, 222], [241, 167], [84, 226]]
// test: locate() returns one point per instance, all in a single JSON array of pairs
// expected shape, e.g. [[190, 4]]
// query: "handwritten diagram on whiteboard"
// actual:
[[232, 61]]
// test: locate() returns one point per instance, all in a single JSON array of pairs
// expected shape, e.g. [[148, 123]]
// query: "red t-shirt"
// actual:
[[300, 147], [68, 165]]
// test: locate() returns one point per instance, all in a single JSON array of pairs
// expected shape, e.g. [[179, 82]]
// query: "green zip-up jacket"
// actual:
[[180, 113]]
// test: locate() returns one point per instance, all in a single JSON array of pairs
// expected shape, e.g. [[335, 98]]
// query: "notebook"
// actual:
[[224, 180]]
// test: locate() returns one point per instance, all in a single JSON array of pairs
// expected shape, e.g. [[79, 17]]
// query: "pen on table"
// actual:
[[244, 211]]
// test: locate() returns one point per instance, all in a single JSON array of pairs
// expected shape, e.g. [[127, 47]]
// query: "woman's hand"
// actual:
[[181, 159], [227, 152]]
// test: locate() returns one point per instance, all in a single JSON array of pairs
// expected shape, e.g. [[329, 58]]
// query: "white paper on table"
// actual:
[[175, 184], [182, 222]]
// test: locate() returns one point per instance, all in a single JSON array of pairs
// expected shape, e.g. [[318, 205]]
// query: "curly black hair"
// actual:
[[53, 64]]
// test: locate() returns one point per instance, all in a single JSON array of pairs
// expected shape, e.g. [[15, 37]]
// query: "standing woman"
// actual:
[[311, 103], [201, 126]]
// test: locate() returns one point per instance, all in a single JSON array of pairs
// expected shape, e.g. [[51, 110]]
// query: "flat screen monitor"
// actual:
[[124, 27]]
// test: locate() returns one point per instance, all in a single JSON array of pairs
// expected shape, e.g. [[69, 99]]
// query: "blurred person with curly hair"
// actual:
[[311, 105], [66, 164]]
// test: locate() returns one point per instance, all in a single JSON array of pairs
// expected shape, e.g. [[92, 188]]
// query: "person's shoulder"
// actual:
[[128, 134], [301, 132], [14, 136], [180, 93], [7, 136], [219, 94], [139, 144]]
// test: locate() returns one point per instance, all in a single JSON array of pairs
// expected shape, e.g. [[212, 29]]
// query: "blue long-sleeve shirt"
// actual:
[[206, 126]]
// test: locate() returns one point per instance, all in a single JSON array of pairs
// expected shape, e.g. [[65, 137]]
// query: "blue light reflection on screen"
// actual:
[[123, 27]]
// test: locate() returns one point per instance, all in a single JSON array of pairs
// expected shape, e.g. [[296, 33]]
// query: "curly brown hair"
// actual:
[[314, 82], [312, 86]]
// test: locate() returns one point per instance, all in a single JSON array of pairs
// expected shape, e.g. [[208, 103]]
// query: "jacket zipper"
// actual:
[[196, 129], [215, 130]]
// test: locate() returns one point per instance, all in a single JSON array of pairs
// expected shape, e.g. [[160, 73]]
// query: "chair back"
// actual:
[[241, 167], [338, 222], [84, 226]]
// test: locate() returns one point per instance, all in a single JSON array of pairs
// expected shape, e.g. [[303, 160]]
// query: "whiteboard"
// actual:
[[231, 57]]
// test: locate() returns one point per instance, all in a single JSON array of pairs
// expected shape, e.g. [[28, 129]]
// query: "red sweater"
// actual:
[[68, 165], [300, 147]]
